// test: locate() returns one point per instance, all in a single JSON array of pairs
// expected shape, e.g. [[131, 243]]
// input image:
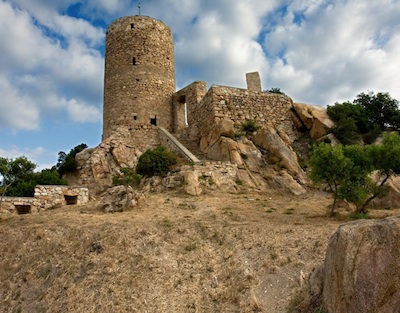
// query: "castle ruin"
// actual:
[[142, 110]]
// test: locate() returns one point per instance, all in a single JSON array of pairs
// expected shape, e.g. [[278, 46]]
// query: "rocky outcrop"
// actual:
[[98, 166], [313, 118], [255, 168], [120, 198], [361, 272], [278, 151]]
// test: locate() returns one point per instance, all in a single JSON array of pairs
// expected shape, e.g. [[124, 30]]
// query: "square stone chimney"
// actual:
[[253, 81]]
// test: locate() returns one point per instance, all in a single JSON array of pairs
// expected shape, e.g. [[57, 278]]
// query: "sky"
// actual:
[[316, 51]]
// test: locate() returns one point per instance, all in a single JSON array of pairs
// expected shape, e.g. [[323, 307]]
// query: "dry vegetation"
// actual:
[[214, 253]]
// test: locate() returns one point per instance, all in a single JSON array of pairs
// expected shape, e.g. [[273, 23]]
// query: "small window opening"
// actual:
[[137, 79], [186, 115], [71, 200], [23, 208], [132, 25], [153, 121], [135, 117], [133, 61]]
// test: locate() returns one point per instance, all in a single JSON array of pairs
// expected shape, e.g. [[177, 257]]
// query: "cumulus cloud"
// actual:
[[35, 155], [336, 49], [48, 59], [82, 113], [16, 109]]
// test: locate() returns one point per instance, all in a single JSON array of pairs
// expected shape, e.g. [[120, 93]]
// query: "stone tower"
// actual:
[[139, 78]]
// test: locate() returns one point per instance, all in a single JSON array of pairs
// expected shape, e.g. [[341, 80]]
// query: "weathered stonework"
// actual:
[[140, 101], [139, 76], [239, 105], [47, 197], [253, 81]]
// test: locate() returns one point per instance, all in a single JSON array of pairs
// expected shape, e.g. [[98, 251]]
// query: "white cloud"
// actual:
[[47, 60], [34, 155], [338, 50], [16, 109], [82, 113]]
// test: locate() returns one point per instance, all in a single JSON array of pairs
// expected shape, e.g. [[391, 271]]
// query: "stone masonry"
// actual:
[[139, 76], [47, 197]]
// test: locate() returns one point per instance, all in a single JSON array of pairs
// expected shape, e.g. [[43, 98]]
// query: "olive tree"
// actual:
[[329, 165]]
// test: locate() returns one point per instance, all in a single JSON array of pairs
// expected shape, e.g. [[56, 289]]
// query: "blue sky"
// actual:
[[52, 57]]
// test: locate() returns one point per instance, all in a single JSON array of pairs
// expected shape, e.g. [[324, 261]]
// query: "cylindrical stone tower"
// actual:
[[139, 78]]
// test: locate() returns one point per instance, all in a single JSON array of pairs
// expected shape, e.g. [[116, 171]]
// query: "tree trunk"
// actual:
[[363, 208]]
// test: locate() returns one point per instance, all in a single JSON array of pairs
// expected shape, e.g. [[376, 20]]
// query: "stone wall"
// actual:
[[191, 95], [139, 78], [239, 105], [47, 197]]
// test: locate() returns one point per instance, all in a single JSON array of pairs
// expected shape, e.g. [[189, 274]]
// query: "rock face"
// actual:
[[120, 198], [256, 168], [361, 272], [277, 149], [98, 166], [313, 118], [392, 199]]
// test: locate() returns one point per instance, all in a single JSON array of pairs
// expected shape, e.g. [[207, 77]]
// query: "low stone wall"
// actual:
[[51, 196], [20, 205], [46, 197]]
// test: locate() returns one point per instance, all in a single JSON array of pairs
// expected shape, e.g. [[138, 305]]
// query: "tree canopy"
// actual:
[[18, 177], [66, 162], [347, 170], [365, 118]]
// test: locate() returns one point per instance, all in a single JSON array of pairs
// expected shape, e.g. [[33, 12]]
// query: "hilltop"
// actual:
[[219, 252]]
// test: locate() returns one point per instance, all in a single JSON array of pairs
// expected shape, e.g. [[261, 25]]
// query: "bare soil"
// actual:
[[243, 252]]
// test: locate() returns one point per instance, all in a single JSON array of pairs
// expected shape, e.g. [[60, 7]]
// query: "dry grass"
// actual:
[[214, 253]]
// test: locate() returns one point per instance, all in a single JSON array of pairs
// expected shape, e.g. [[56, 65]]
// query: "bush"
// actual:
[[249, 127], [276, 90], [156, 161], [128, 177]]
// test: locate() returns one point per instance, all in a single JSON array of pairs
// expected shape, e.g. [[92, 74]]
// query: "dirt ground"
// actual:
[[243, 252]]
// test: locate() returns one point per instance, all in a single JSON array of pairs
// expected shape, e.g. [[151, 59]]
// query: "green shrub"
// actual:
[[276, 90], [249, 126], [156, 161], [128, 177]]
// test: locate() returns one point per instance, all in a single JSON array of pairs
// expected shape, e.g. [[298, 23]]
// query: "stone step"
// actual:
[[194, 148]]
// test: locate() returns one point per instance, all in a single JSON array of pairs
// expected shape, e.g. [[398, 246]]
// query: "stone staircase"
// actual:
[[193, 147]]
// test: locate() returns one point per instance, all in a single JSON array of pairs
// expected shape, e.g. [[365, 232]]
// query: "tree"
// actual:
[[329, 165], [366, 117], [15, 171], [347, 170], [48, 177], [66, 162], [381, 109], [386, 160]]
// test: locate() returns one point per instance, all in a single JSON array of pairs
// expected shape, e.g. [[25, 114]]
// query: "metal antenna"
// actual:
[[139, 6]]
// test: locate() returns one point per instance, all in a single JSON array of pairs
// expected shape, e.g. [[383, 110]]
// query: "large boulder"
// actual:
[[392, 198], [278, 150], [224, 128], [314, 118], [361, 272], [192, 184], [120, 198]]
